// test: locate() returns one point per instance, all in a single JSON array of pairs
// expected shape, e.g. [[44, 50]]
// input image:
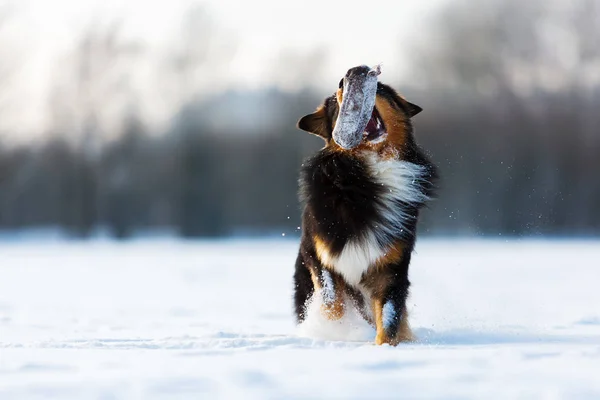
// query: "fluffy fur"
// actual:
[[359, 221]]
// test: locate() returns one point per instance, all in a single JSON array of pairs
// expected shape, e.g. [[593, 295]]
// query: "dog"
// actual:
[[361, 195]]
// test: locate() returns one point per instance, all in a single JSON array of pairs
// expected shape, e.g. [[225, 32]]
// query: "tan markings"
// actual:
[[393, 255], [395, 125], [404, 333], [379, 276], [333, 146], [381, 336], [315, 279], [323, 253], [335, 310], [394, 121]]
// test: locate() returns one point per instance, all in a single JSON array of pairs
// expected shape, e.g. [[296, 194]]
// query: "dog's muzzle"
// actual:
[[358, 100]]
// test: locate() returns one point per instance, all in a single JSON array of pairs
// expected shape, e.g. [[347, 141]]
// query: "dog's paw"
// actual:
[[382, 338], [333, 311], [405, 335]]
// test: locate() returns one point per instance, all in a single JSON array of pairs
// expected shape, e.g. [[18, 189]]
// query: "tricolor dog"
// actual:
[[361, 197]]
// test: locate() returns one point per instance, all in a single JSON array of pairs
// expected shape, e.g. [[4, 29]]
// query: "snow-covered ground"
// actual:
[[161, 319]]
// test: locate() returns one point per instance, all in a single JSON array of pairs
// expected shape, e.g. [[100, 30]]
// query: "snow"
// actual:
[[388, 315], [161, 319], [351, 327], [327, 291]]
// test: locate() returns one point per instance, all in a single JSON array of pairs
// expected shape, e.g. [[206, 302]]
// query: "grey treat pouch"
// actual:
[[358, 100]]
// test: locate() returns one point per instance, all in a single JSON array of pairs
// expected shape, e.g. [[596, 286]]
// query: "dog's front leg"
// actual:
[[387, 283], [388, 291], [331, 289], [391, 320]]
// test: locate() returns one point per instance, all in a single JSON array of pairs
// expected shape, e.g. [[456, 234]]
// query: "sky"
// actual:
[[38, 34]]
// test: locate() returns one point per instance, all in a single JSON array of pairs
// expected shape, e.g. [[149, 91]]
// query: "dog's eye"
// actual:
[[341, 83]]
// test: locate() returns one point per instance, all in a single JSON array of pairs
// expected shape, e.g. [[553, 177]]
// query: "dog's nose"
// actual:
[[361, 70]]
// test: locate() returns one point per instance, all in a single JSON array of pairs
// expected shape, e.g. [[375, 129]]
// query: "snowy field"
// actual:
[[160, 319]]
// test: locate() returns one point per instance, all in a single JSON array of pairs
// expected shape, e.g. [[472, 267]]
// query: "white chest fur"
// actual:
[[355, 258], [401, 182]]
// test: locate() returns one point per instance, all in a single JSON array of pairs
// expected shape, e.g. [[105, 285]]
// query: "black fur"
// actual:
[[339, 196], [340, 200], [304, 288]]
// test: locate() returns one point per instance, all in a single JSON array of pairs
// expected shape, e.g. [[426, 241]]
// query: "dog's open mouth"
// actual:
[[357, 113], [375, 130]]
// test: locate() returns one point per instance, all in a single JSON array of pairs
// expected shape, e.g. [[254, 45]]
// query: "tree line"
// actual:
[[510, 116]]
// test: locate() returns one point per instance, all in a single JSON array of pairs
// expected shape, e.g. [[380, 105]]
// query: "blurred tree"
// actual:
[[87, 103], [123, 189], [510, 93], [193, 65], [511, 116]]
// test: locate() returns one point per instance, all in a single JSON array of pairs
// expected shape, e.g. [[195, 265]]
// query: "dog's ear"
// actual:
[[316, 123], [412, 109]]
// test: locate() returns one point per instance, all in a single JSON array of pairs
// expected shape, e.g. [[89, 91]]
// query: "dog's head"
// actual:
[[384, 125]]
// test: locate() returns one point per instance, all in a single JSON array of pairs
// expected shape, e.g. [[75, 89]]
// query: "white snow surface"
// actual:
[[161, 319]]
